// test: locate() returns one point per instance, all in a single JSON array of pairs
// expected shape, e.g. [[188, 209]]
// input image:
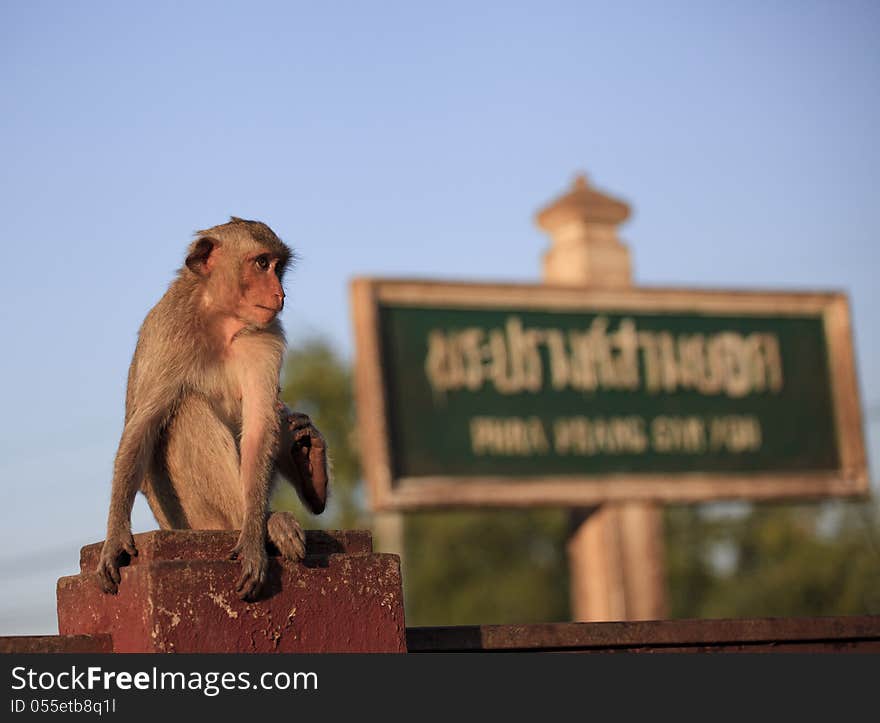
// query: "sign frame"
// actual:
[[437, 492]]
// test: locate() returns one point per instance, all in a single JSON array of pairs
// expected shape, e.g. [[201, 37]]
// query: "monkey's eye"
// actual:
[[262, 262]]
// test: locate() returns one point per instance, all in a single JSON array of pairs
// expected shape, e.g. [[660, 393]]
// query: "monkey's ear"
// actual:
[[199, 260]]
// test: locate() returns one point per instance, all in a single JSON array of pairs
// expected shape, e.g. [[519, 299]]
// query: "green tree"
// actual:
[[499, 567], [689, 576], [778, 560]]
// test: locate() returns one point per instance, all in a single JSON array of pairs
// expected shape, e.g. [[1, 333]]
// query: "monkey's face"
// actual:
[[262, 296], [240, 265]]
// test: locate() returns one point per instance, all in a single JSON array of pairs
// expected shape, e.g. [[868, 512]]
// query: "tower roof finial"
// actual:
[[583, 203]]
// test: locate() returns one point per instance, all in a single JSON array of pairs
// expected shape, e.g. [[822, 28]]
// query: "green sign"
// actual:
[[665, 386]]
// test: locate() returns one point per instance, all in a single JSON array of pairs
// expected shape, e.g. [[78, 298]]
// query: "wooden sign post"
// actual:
[[616, 550], [577, 395]]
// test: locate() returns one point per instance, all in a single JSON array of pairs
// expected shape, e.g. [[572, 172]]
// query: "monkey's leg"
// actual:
[[163, 500], [202, 465]]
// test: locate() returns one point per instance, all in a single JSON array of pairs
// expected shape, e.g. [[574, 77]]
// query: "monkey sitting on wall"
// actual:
[[205, 433]]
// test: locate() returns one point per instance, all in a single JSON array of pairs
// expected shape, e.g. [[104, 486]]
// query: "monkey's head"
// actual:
[[241, 266]]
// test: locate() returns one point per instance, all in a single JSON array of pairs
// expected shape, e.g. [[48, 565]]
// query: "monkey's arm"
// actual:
[[302, 458], [259, 443], [135, 448]]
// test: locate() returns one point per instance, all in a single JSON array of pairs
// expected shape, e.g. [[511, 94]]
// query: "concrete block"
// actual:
[[178, 595]]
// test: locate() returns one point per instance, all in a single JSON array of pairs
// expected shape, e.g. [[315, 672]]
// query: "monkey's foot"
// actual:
[[287, 535]]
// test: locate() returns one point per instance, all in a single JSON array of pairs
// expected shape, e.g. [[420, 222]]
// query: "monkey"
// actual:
[[205, 436]]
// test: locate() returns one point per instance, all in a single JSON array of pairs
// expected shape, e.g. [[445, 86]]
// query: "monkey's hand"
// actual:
[[251, 551], [117, 543], [303, 458], [287, 535]]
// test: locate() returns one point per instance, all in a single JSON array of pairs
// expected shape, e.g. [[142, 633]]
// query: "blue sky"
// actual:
[[393, 139]]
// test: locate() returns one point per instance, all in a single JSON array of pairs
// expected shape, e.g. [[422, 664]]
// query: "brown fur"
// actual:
[[203, 427]]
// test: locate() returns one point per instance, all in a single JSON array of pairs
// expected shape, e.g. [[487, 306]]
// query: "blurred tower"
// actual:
[[615, 550], [585, 249]]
